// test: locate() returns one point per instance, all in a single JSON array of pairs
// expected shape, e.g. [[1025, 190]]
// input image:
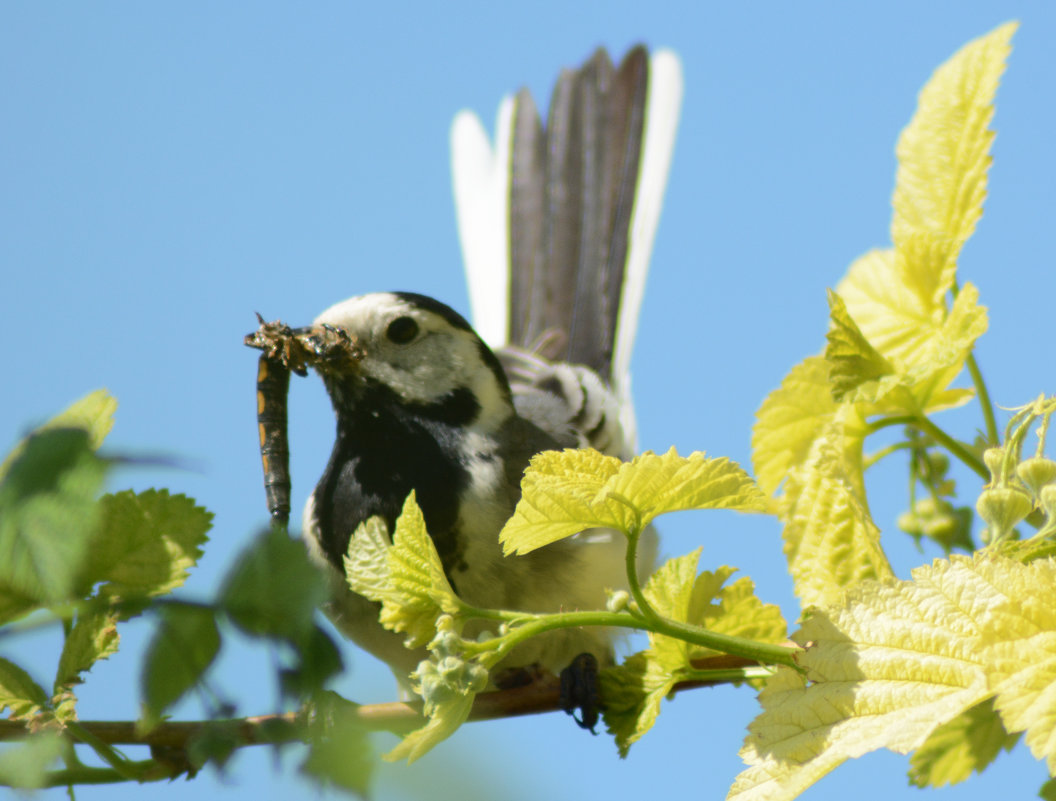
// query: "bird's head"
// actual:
[[416, 348]]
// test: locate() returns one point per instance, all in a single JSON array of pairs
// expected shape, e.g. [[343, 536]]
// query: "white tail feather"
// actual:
[[481, 178]]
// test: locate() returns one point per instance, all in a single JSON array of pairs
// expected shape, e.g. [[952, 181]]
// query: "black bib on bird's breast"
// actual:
[[385, 448]]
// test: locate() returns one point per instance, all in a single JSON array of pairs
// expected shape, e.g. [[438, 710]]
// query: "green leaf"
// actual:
[[18, 692], [420, 590], [93, 637], [319, 661], [339, 750], [94, 413], [943, 153], [852, 360], [274, 589], [968, 743], [1048, 790], [25, 765], [48, 511], [146, 543], [184, 645], [566, 492]]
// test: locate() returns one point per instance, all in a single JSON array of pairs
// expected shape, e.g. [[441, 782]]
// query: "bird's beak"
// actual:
[[325, 348], [330, 349]]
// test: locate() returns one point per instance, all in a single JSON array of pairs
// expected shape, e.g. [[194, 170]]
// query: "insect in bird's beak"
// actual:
[[325, 348], [322, 347]]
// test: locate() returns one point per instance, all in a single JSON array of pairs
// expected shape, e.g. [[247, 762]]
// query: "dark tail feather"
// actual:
[[572, 193]]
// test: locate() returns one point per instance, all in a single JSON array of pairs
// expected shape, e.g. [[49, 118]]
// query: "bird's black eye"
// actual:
[[402, 330]]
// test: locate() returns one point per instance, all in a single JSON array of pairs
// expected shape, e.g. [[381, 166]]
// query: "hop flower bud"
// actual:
[[938, 463], [994, 459], [1036, 472], [1002, 508], [911, 524], [618, 601], [1047, 500], [445, 623], [477, 680]]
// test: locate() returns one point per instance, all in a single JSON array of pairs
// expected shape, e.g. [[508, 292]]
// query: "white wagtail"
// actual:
[[556, 224]]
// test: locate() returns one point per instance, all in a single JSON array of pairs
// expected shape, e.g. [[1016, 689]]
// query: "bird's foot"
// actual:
[[579, 691]]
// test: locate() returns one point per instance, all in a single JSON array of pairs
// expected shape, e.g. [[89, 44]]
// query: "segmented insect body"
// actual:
[[273, 384], [287, 350]]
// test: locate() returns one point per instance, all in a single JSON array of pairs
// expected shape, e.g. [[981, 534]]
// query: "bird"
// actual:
[[556, 223]]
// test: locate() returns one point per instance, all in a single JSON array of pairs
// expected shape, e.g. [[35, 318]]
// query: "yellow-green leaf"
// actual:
[[633, 691], [852, 360], [944, 154], [789, 421], [898, 664], [831, 541], [566, 492], [925, 346], [94, 413], [656, 485], [1021, 652], [949, 345], [733, 609], [893, 319], [968, 743], [420, 590], [367, 560], [561, 496], [446, 719], [885, 668], [670, 593], [93, 637], [18, 692]]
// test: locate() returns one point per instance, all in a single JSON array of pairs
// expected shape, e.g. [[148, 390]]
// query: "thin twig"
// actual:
[[399, 717]]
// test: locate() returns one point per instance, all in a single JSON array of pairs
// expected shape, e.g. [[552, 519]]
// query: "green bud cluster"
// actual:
[[1019, 486], [939, 520]]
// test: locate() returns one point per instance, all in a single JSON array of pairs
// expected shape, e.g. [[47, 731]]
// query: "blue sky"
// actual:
[[168, 169]]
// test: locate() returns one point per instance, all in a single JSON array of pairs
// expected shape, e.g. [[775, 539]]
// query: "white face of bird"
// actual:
[[421, 350]]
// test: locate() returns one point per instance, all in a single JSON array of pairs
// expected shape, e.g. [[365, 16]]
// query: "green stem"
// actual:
[[119, 763], [952, 445], [765, 653], [923, 422], [993, 436], [645, 609], [873, 458]]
